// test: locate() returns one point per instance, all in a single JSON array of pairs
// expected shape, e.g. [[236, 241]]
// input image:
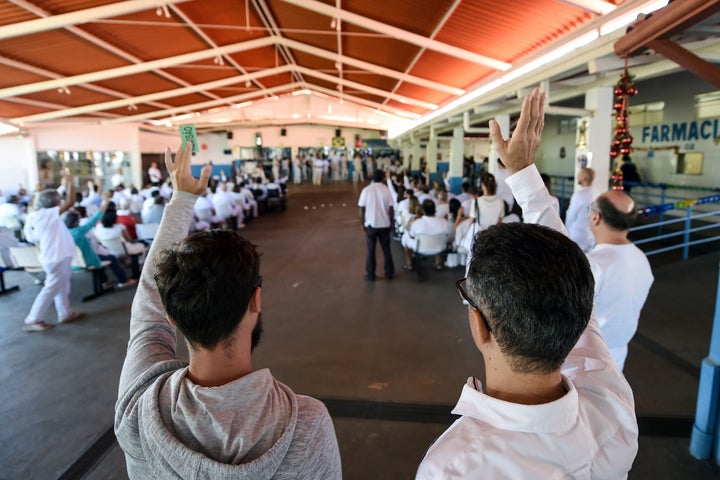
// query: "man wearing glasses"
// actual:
[[553, 403], [216, 417]]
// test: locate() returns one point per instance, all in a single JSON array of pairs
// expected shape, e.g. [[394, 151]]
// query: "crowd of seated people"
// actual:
[[104, 225], [472, 210]]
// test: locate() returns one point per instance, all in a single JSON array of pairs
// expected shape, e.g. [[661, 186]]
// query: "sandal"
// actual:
[[37, 326], [408, 268], [438, 268]]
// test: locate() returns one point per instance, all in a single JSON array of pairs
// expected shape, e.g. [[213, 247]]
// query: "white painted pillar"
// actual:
[[457, 149], [598, 135], [406, 152], [431, 153], [416, 152], [504, 122], [136, 159]]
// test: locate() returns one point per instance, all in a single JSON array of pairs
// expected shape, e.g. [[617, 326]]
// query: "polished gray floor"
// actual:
[[388, 358]]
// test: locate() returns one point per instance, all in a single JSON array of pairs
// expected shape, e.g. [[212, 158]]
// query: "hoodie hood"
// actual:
[[242, 429]]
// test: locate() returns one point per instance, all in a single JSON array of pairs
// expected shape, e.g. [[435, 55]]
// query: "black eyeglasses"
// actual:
[[460, 285]]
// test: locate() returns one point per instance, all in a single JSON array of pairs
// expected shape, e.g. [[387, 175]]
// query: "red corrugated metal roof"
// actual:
[[504, 31]]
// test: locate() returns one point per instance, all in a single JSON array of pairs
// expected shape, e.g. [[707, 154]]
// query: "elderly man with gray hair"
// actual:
[[45, 228]]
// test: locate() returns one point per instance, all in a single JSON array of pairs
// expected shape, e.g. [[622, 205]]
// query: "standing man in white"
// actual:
[[577, 217], [376, 214], [622, 272]]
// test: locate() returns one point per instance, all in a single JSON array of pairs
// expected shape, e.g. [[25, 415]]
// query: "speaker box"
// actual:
[[283, 132], [337, 132], [230, 135]]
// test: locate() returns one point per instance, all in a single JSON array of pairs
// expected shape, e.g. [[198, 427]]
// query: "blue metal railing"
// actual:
[[685, 234]]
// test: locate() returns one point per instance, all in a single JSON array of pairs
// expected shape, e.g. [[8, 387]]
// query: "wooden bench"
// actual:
[[28, 259]]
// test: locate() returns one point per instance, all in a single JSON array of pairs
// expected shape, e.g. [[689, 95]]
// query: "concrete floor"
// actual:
[[388, 358]]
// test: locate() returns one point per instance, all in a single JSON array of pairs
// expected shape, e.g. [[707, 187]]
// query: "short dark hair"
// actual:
[[535, 288], [109, 218], [378, 176], [613, 217], [454, 205], [428, 207], [71, 219], [206, 283]]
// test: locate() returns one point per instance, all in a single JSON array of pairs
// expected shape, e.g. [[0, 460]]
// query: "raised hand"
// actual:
[[180, 173], [518, 152]]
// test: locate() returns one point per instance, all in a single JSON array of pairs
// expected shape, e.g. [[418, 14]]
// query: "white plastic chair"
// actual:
[[146, 231], [431, 244]]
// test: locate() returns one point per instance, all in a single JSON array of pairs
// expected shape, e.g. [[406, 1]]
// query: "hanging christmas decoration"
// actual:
[[621, 145]]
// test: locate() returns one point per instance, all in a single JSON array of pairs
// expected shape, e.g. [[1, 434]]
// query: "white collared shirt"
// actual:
[[377, 200], [45, 228], [577, 217]]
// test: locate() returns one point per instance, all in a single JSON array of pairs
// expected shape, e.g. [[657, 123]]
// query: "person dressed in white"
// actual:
[[484, 212], [225, 206], [297, 170], [118, 178], [45, 228], [577, 217], [622, 272], [503, 191], [205, 211], [554, 405], [317, 170], [154, 174], [427, 224], [376, 214], [357, 168]]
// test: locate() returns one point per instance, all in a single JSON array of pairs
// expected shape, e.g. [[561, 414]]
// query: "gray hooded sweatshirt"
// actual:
[[170, 428]]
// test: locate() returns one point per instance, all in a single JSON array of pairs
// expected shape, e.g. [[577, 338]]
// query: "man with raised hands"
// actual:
[[216, 417], [553, 403]]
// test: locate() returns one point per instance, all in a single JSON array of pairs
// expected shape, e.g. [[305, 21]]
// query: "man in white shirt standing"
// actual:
[[154, 174], [57, 247], [577, 217], [554, 405], [376, 213], [622, 272]]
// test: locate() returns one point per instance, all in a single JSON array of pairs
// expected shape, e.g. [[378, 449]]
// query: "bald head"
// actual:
[[617, 210], [586, 176]]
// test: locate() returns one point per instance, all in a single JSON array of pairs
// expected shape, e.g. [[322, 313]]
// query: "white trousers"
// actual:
[[56, 288]]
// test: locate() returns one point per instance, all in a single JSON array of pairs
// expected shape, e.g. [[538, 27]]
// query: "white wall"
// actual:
[[18, 164], [548, 156], [677, 91], [155, 142]]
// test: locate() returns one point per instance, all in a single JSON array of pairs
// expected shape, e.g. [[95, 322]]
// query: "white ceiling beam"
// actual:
[[371, 67], [598, 7], [433, 34], [135, 68], [362, 101], [153, 96], [98, 42], [47, 73], [177, 11], [214, 52], [80, 16], [372, 90], [400, 34], [209, 104]]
